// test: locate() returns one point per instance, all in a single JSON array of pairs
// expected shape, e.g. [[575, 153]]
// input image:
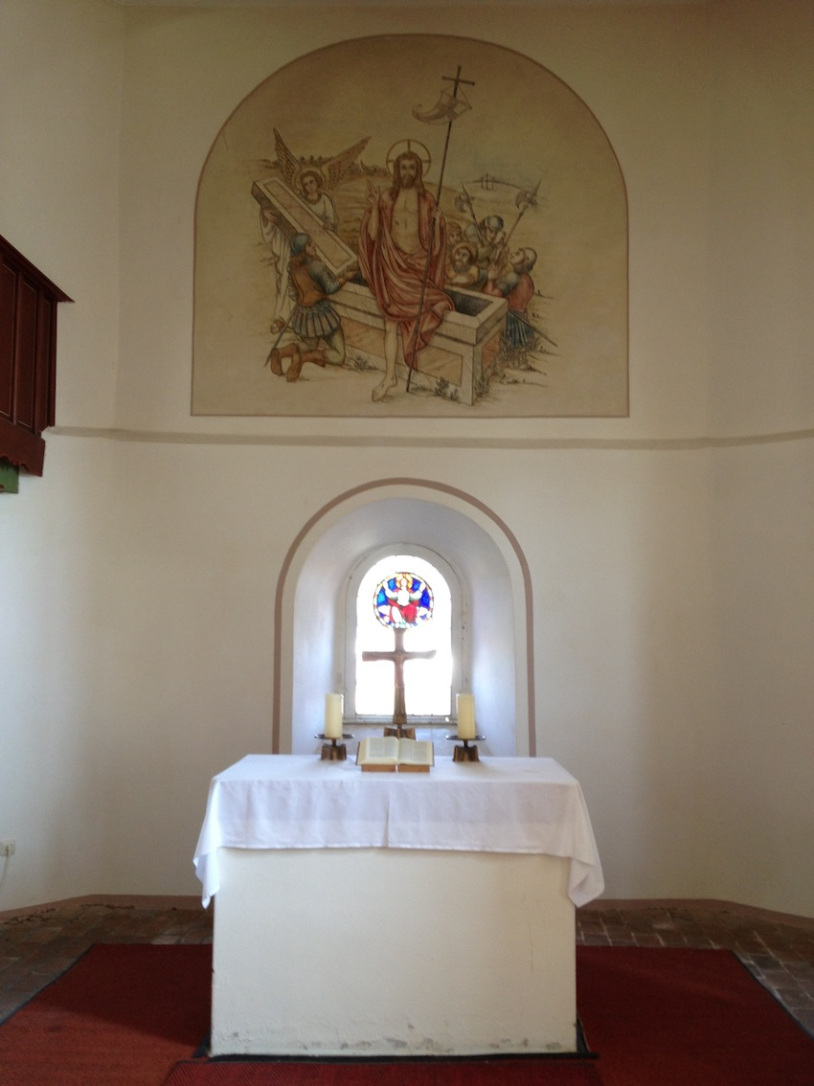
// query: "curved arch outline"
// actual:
[[371, 487]]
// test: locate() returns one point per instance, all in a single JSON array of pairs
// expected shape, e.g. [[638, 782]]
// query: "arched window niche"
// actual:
[[430, 684], [404, 516]]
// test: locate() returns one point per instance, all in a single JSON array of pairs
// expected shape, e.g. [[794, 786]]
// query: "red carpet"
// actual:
[[689, 1017], [134, 1015], [564, 1072], [122, 1016]]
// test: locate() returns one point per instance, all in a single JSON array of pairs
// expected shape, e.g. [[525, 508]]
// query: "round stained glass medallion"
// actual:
[[403, 601]]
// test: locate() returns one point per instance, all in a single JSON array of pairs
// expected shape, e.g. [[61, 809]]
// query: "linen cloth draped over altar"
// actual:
[[515, 805]]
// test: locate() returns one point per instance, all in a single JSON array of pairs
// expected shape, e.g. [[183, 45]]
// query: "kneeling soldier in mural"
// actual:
[[313, 319]]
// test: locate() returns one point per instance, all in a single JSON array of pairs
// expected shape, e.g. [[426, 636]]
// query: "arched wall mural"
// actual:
[[402, 512], [411, 225]]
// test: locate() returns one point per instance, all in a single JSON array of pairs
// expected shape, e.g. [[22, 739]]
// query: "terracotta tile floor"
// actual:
[[777, 949], [37, 946]]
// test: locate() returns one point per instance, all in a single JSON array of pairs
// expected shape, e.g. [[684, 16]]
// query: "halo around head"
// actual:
[[420, 150]]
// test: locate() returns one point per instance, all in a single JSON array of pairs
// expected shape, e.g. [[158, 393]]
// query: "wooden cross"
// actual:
[[398, 656]]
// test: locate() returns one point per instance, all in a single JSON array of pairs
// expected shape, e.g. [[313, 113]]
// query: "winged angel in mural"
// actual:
[[364, 257]]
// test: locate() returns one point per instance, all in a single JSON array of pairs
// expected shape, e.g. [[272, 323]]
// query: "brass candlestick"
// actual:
[[465, 753], [333, 751]]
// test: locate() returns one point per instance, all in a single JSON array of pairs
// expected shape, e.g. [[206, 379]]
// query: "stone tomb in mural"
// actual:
[[461, 355]]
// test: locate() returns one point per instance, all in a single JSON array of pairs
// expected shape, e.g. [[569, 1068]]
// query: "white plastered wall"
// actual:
[[668, 551]]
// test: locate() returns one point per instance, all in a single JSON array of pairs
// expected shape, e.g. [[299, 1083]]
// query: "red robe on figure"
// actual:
[[396, 277]]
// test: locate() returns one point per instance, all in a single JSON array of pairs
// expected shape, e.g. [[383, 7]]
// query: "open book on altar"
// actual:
[[387, 754]]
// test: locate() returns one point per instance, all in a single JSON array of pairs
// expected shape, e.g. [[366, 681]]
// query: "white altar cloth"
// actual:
[[509, 805]]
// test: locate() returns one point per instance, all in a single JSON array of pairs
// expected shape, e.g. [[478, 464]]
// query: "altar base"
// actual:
[[392, 952]]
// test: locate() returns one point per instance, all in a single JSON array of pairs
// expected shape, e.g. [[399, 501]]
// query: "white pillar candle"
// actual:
[[334, 711], [466, 716]]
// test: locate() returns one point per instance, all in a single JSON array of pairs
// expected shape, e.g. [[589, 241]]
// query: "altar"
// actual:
[[395, 914]]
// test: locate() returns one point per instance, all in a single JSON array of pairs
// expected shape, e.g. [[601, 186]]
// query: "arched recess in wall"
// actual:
[[309, 612]]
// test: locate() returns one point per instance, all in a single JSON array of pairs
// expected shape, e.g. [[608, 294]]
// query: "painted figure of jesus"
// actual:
[[402, 246]]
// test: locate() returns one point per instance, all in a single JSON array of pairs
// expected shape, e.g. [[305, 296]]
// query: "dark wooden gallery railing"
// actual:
[[28, 339]]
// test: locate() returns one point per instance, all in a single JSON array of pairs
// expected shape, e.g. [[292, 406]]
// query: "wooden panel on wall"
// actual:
[[28, 314]]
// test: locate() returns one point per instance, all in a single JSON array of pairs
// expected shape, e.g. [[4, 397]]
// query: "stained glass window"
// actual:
[[403, 590], [402, 601]]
